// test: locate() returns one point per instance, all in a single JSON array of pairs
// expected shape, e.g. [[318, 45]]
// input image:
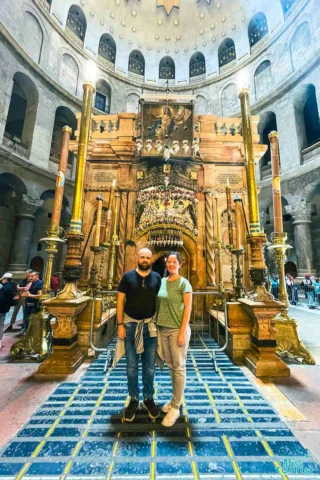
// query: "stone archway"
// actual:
[[160, 256], [189, 248]]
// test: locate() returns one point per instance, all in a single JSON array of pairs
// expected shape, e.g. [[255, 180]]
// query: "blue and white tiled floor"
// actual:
[[227, 431]]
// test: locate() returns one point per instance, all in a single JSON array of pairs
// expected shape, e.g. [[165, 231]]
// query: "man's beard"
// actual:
[[144, 266]]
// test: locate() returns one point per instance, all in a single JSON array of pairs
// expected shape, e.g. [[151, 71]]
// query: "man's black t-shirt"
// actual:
[[141, 293], [34, 289]]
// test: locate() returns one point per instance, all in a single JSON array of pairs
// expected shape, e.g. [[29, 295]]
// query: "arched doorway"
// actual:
[[291, 268], [159, 264], [37, 265]]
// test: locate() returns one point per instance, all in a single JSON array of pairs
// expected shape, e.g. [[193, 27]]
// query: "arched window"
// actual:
[[64, 117], [300, 46], [136, 65], [167, 69], [107, 48], [262, 79], [197, 67], [311, 117], [103, 96], [22, 112], [69, 73], [258, 29], [33, 37], [288, 6], [76, 25], [268, 124], [227, 55]]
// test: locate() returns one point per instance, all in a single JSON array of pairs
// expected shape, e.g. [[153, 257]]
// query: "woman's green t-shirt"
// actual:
[[170, 302]]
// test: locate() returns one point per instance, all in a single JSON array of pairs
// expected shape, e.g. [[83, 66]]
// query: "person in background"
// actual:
[[316, 285], [274, 286], [307, 284], [54, 284], [32, 296], [290, 288], [7, 292], [23, 286], [173, 315]]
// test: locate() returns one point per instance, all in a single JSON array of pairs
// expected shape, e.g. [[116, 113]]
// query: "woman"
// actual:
[[174, 309]]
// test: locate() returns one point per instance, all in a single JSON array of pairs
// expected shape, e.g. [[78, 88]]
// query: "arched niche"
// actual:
[[133, 103], [229, 100], [268, 124], [69, 73], [63, 117], [263, 79], [22, 111], [33, 36], [300, 45]]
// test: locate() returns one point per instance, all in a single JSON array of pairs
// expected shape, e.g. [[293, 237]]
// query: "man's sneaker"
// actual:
[[171, 417], [166, 407], [152, 409], [130, 412]]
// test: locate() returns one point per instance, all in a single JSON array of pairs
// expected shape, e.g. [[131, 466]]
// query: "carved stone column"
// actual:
[[210, 261], [301, 214], [122, 235], [22, 237]]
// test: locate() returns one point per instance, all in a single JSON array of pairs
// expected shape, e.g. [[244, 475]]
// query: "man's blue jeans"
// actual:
[[148, 358]]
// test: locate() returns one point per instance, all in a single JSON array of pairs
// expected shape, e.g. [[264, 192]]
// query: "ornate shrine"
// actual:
[[169, 165]]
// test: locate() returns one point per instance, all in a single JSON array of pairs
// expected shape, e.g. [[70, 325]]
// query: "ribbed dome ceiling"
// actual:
[[191, 24]]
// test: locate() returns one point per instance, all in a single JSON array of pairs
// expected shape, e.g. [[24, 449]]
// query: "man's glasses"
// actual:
[[144, 283]]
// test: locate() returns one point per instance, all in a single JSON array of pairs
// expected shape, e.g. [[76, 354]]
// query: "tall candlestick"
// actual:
[[250, 165], [276, 187], [98, 221], [229, 207], [114, 243], [218, 219], [60, 183], [237, 201], [108, 216]]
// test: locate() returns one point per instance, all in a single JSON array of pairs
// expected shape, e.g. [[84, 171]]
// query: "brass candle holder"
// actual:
[[115, 243], [94, 281], [239, 289]]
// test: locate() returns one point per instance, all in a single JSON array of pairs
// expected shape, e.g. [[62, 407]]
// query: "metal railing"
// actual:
[[204, 304]]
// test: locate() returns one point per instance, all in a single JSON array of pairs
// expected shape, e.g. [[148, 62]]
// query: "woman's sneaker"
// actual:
[[130, 411], [152, 409], [166, 407], [171, 417]]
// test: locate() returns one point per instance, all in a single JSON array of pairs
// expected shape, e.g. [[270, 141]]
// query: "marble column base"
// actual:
[[64, 360], [263, 362], [18, 270]]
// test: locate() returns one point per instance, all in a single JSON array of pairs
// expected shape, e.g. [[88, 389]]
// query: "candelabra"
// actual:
[[114, 243], [239, 289], [167, 238]]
